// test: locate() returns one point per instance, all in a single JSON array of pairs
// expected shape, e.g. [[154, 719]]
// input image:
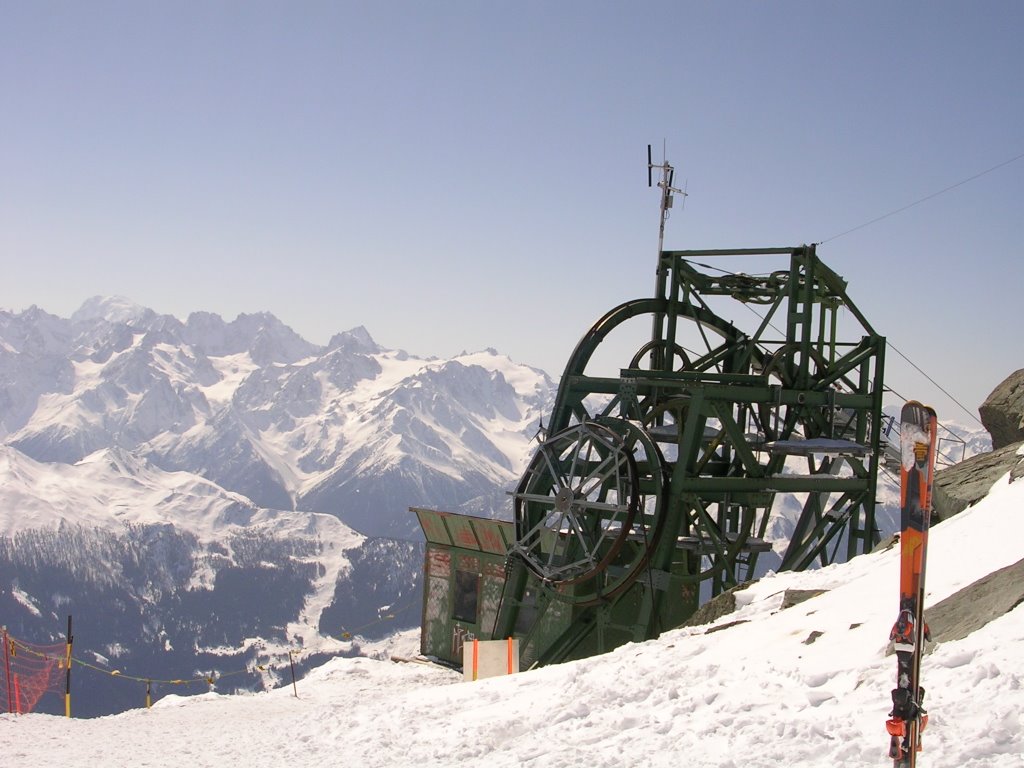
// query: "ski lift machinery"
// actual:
[[655, 490]]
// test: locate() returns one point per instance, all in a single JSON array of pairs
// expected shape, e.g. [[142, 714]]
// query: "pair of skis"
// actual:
[[918, 443]]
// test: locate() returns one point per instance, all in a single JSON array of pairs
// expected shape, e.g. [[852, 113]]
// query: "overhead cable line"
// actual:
[[923, 199], [933, 381]]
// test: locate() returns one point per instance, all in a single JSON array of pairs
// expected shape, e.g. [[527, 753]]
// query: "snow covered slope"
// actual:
[[766, 686], [350, 429], [165, 569]]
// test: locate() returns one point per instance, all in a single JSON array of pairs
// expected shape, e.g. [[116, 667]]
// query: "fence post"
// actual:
[[67, 672], [291, 662]]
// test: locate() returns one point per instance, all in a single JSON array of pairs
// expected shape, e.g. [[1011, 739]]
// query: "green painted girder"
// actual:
[[777, 483], [752, 390]]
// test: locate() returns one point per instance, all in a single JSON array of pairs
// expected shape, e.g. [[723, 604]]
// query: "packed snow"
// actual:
[[806, 685]]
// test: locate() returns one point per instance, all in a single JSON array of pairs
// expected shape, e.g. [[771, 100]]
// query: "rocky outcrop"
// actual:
[[960, 486], [976, 605], [1002, 413]]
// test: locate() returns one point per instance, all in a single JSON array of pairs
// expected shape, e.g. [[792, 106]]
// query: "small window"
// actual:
[[467, 590]]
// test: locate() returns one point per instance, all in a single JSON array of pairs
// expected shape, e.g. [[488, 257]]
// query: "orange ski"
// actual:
[[918, 443]]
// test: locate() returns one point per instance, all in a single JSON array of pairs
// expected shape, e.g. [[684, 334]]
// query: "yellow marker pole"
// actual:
[[149, 699], [67, 673]]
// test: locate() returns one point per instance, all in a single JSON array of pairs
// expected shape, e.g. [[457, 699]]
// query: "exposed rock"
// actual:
[[726, 625], [716, 607], [1002, 413], [793, 597], [976, 605], [725, 603], [960, 486], [890, 541]]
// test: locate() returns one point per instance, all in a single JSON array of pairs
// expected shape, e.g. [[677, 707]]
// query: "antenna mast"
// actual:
[[659, 357], [665, 185]]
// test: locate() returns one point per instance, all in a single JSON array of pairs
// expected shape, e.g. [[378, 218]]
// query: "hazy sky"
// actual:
[[461, 175]]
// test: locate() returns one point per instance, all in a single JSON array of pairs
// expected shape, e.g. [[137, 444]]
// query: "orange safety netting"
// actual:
[[27, 671]]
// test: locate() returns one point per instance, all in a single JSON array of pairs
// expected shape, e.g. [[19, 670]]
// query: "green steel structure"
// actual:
[[656, 485], [655, 489]]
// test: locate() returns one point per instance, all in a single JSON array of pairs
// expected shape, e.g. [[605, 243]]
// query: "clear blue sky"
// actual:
[[459, 175]]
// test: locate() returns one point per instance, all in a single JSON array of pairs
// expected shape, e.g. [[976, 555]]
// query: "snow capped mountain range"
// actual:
[[202, 494], [349, 429]]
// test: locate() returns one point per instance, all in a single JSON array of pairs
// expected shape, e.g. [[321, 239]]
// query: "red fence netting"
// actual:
[[28, 670]]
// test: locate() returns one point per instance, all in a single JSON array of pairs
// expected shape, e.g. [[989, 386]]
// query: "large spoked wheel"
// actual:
[[588, 509]]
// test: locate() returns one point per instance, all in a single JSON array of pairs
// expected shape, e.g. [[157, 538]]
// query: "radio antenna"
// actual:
[[667, 190]]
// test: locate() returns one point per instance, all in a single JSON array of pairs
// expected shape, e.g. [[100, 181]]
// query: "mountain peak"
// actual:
[[357, 339], [113, 309]]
